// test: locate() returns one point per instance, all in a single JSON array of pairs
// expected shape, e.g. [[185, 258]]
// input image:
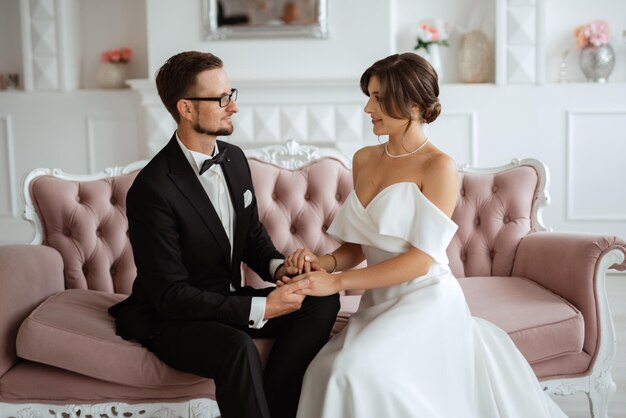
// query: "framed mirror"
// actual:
[[265, 18]]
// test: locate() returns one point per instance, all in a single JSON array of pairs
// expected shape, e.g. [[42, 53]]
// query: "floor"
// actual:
[[577, 406]]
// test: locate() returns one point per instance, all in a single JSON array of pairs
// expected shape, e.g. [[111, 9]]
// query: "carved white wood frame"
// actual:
[[30, 212], [293, 156], [598, 385], [197, 408]]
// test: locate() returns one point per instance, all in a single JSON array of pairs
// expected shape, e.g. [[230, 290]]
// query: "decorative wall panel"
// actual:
[[519, 41], [455, 134], [595, 165], [108, 138]]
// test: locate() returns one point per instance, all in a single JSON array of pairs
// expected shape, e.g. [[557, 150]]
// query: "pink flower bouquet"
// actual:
[[117, 55], [594, 33], [432, 32]]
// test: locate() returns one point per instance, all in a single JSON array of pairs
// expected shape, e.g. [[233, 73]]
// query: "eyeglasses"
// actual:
[[224, 100]]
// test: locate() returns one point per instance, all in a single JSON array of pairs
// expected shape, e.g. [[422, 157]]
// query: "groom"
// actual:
[[193, 219]]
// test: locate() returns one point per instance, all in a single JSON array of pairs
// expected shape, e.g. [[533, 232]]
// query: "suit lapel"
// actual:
[[187, 182], [232, 174]]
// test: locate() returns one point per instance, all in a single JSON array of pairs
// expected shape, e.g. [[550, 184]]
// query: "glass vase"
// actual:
[[434, 57], [597, 62]]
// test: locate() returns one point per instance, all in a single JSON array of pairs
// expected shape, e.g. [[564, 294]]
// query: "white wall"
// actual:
[[78, 132], [111, 24], [359, 34], [461, 16]]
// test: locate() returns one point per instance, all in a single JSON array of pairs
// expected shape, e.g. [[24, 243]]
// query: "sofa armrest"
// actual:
[[28, 275], [573, 266]]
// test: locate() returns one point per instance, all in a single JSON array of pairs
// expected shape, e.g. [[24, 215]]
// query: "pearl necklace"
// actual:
[[404, 155]]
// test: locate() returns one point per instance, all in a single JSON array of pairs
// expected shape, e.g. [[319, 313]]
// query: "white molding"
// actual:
[[473, 133], [542, 198], [10, 167], [474, 138], [570, 213], [500, 48], [27, 53], [195, 408], [92, 128], [90, 144], [60, 28], [540, 41], [30, 212]]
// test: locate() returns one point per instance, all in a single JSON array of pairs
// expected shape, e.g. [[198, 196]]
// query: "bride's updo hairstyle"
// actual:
[[405, 80]]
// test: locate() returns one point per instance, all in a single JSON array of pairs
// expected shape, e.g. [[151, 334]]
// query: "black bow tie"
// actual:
[[218, 159]]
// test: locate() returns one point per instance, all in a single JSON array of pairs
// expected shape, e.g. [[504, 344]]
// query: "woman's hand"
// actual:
[[321, 283], [303, 259]]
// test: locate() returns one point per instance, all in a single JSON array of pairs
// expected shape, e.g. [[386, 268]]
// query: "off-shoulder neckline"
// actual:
[[387, 188]]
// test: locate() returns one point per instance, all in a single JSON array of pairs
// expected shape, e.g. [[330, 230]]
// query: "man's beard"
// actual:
[[220, 132]]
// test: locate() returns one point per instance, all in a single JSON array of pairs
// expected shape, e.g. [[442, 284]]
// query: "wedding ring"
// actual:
[[307, 258]]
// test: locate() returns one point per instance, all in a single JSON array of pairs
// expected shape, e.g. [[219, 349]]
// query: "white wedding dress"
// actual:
[[413, 349]]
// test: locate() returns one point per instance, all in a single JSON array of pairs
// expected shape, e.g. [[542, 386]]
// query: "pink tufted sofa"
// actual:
[[59, 354]]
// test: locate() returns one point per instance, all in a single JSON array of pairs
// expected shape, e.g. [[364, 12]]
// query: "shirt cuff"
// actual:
[[257, 311], [274, 265]]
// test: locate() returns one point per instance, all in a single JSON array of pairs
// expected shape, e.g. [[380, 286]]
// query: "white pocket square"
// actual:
[[247, 198]]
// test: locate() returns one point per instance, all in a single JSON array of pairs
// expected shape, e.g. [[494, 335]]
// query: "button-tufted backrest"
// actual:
[[86, 222], [297, 206], [494, 213]]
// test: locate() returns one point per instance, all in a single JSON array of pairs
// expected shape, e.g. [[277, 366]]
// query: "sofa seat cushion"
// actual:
[[541, 324], [30, 382], [73, 330]]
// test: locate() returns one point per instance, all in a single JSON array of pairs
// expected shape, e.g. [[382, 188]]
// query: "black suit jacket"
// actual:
[[182, 253]]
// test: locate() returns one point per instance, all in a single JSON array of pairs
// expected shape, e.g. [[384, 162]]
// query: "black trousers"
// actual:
[[228, 355]]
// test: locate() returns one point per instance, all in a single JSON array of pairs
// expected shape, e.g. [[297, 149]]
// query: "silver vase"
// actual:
[[597, 62]]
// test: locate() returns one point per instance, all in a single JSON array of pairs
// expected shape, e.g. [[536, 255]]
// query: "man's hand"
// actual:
[[284, 299], [285, 271]]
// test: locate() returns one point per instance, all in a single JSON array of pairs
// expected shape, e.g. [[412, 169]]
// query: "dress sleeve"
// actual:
[[401, 217], [426, 227]]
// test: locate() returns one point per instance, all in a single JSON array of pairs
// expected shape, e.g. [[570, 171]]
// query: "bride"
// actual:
[[412, 349]]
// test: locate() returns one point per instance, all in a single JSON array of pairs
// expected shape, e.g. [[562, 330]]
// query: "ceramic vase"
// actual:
[[433, 56], [112, 75], [474, 57]]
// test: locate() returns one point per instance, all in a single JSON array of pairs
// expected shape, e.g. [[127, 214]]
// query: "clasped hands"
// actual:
[[301, 265], [300, 276]]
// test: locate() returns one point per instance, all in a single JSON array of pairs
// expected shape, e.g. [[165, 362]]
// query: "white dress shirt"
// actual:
[[214, 184]]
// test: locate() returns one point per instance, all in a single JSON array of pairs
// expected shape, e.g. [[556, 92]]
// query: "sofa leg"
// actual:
[[600, 393]]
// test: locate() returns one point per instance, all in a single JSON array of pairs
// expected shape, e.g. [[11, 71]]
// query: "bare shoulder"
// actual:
[[440, 182], [440, 165], [364, 155]]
